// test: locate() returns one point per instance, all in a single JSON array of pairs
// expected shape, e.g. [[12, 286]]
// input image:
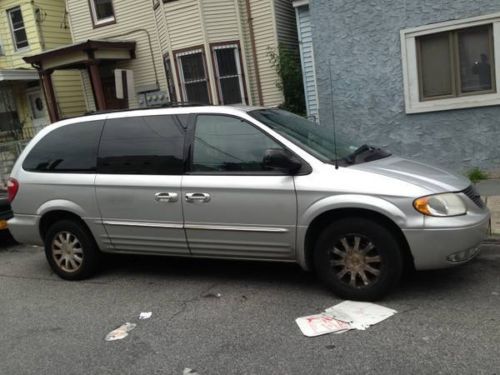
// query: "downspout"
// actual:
[[254, 51]]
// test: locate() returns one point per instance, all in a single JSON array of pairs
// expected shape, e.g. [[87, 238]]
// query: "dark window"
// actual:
[[456, 63], [193, 77], [102, 11], [18, 29], [228, 144], [228, 72], [68, 149], [142, 145]]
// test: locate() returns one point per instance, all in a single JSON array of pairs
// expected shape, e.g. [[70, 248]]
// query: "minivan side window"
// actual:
[[69, 149], [142, 145], [229, 144]]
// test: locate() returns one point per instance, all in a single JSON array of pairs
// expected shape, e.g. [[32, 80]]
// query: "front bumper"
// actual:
[[431, 247]]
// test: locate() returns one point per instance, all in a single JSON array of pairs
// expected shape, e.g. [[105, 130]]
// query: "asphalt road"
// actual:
[[448, 322]]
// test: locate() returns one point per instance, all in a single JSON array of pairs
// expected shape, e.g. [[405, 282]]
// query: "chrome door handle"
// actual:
[[197, 197], [166, 197]]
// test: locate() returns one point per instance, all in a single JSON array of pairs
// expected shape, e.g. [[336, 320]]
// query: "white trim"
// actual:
[[300, 3], [410, 69], [97, 21], [18, 75]]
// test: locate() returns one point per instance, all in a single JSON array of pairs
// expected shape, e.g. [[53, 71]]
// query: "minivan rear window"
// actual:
[[68, 149], [151, 145]]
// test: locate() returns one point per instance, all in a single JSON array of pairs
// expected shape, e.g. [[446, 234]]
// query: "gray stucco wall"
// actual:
[[362, 40]]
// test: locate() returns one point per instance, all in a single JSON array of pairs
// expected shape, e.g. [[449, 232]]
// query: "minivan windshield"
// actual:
[[315, 139]]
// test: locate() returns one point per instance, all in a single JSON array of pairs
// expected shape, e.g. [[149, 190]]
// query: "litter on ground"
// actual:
[[212, 295], [121, 332], [145, 315], [343, 317], [188, 371]]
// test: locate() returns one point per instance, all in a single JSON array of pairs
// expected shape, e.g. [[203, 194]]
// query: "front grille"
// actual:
[[472, 193]]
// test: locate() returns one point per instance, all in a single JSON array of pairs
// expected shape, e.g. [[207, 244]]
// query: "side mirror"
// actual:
[[281, 160]]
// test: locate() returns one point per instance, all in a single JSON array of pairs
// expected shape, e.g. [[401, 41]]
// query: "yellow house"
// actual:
[[27, 28], [149, 53]]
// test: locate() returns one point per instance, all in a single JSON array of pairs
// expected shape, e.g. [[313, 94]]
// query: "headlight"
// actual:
[[447, 204]]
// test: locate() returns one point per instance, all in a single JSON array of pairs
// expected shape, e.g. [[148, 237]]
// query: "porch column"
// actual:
[[50, 96], [95, 78]]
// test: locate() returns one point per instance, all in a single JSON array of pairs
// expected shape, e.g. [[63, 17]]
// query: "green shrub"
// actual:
[[476, 174], [287, 65]]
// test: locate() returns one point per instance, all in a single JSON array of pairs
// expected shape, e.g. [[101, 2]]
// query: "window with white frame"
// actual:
[[193, 76], [102, 12], [17, 28], [452, 65], [228, 73]]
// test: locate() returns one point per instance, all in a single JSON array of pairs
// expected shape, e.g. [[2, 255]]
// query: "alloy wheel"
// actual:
[[67, 251]]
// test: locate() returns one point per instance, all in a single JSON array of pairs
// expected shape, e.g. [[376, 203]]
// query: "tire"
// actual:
[[71, 250], [359, 247]]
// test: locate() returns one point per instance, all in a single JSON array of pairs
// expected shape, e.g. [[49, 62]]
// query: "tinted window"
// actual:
[[228, 144], [142, 145], [69, 149]]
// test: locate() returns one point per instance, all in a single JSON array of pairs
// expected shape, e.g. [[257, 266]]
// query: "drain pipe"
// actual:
[[254, 51]]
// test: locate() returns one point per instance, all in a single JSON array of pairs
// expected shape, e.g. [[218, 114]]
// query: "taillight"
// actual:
[[12, 189]]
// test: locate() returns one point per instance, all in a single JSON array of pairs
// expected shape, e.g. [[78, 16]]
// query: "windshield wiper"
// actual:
[[372, 153]]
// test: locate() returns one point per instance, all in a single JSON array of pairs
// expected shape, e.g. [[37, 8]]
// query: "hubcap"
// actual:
[[355, 261], [67, 251]]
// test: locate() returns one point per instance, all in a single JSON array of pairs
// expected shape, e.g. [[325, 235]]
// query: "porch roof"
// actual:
[[18, 75], [78, 55]]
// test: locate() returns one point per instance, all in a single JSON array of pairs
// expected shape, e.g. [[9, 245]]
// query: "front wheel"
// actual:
[[358, 259], [71, 250]]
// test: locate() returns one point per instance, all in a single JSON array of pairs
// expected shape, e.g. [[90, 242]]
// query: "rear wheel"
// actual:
[[71, 250], [358, 259]]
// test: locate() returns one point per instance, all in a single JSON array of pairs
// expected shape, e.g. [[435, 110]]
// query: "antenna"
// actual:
[[333, 117]]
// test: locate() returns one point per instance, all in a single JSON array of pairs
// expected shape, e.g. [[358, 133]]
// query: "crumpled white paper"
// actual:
[[121, 332], [360, 315], [145, 315], [343, 317]]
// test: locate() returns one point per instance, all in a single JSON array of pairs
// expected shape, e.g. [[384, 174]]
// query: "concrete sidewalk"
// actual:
[[490, 191]]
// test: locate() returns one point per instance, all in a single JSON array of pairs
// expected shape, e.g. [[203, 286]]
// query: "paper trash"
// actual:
[[320, 324], [360, 315], [145, 315], [343, 317], [121, 332]]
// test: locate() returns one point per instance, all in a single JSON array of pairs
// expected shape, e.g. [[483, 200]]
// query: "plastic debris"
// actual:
[[145, 315], [344, 317], [120, 332], [188, 371], [212, 295]]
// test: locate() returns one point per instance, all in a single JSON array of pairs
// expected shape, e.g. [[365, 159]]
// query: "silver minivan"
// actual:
[[239, 183]]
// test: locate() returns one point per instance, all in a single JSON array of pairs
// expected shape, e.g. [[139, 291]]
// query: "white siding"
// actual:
[[184, 24], [307, 60], [221, 21], [266, 40], [285, 24]]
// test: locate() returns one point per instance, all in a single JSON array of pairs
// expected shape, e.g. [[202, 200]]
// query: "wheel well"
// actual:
[[53, 216], [323, 220]]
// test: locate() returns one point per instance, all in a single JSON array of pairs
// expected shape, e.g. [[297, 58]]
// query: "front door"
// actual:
[[37, 108], [233, 207], [138, 184]]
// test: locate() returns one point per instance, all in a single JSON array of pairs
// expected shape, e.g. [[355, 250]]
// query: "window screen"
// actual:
[[228, 144], [17, 28], [68, 149], [193, 77], [228, 74], [142, 145], [103, 10]]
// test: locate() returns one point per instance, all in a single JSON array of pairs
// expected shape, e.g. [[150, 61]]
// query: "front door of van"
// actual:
[[138, 184], [233, 207]]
